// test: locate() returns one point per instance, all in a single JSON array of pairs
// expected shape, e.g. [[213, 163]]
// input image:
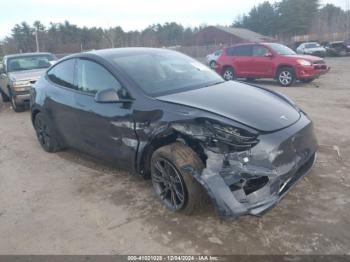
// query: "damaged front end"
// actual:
[[249, 172]]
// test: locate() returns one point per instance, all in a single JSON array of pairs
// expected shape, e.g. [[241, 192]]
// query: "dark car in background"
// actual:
[[18, 73], [162, 115], [311, 48], [269, 60], [338, 48]]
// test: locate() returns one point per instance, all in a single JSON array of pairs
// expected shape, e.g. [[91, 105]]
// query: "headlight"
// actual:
[[237, 138], [21, 85], [219, 138], [303, 62]]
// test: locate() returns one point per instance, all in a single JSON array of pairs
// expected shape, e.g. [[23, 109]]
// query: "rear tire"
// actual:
[[228, 74], [46, 134], [286, 76], [173, 158]]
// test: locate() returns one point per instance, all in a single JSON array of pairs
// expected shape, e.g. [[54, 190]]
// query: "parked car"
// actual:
[[311, 48], [269, 60], [211, 58], [338, 48], [18, 73], [162, 115]]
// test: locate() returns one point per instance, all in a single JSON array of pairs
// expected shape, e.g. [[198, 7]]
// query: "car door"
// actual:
[[4, 79], [242, 60], [60, 100], [106, 129], [262, 64]]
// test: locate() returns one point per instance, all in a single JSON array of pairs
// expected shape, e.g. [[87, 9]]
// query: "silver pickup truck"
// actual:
[[18, 73]]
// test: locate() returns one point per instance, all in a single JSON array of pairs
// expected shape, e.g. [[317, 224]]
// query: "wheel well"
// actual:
[[145, 163], [283, 66], [227, 67]]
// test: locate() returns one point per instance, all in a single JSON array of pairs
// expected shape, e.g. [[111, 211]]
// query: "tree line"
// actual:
[[66, 37], [288, 18]]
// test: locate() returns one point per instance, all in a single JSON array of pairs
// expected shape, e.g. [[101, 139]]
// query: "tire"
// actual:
[[212, 64], [286, 76], [15, 106], [46, 134], [228, 74], [342, 52], [305, 81], [170, 159], [4, 97]]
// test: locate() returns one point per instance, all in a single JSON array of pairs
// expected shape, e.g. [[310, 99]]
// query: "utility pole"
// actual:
[[347, 10], [37, 40]]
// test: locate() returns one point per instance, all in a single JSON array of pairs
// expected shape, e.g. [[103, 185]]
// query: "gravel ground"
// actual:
[[68, 203]]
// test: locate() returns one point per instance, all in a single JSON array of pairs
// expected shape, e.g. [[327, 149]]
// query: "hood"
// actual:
[[248, 105], [27, 74], [307, 57]]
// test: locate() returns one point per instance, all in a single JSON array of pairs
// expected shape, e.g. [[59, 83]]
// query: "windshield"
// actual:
[[29, 62], [312, 45], [166, 72], [281, 49]]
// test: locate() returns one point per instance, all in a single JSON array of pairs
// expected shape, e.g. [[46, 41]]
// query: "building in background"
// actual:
[[221, 35]]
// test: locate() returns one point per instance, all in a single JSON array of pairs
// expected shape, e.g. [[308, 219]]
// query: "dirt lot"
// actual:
[[67, 203]]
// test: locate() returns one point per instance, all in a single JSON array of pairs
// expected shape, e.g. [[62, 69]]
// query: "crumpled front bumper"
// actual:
[[253, 181]]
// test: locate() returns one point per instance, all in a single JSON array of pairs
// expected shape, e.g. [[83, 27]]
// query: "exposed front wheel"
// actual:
[[46, 134], [286, 77], [228, 74], [176, 188]]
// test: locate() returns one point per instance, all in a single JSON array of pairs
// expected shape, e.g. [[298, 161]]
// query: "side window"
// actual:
[[63, 74], [230, 51], [244, 50], [92, 77], [259, 50]]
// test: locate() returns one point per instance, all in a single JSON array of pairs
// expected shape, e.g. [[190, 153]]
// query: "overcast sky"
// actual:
[[129, 14]]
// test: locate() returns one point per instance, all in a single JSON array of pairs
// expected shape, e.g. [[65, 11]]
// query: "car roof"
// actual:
[[337, 42], [27, 54], [254, 43], [125, 51]]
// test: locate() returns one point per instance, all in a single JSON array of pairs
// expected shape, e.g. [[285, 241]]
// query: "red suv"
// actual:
[[269, 60]]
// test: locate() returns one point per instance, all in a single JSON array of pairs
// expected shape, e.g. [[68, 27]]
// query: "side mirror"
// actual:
[[110, 96], [268, 54]]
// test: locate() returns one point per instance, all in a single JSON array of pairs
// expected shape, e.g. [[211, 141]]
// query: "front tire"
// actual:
[[15, 106], [4, 97], [228, 74], [212, 64], [286, 76], [46, 134], [176, 188]]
